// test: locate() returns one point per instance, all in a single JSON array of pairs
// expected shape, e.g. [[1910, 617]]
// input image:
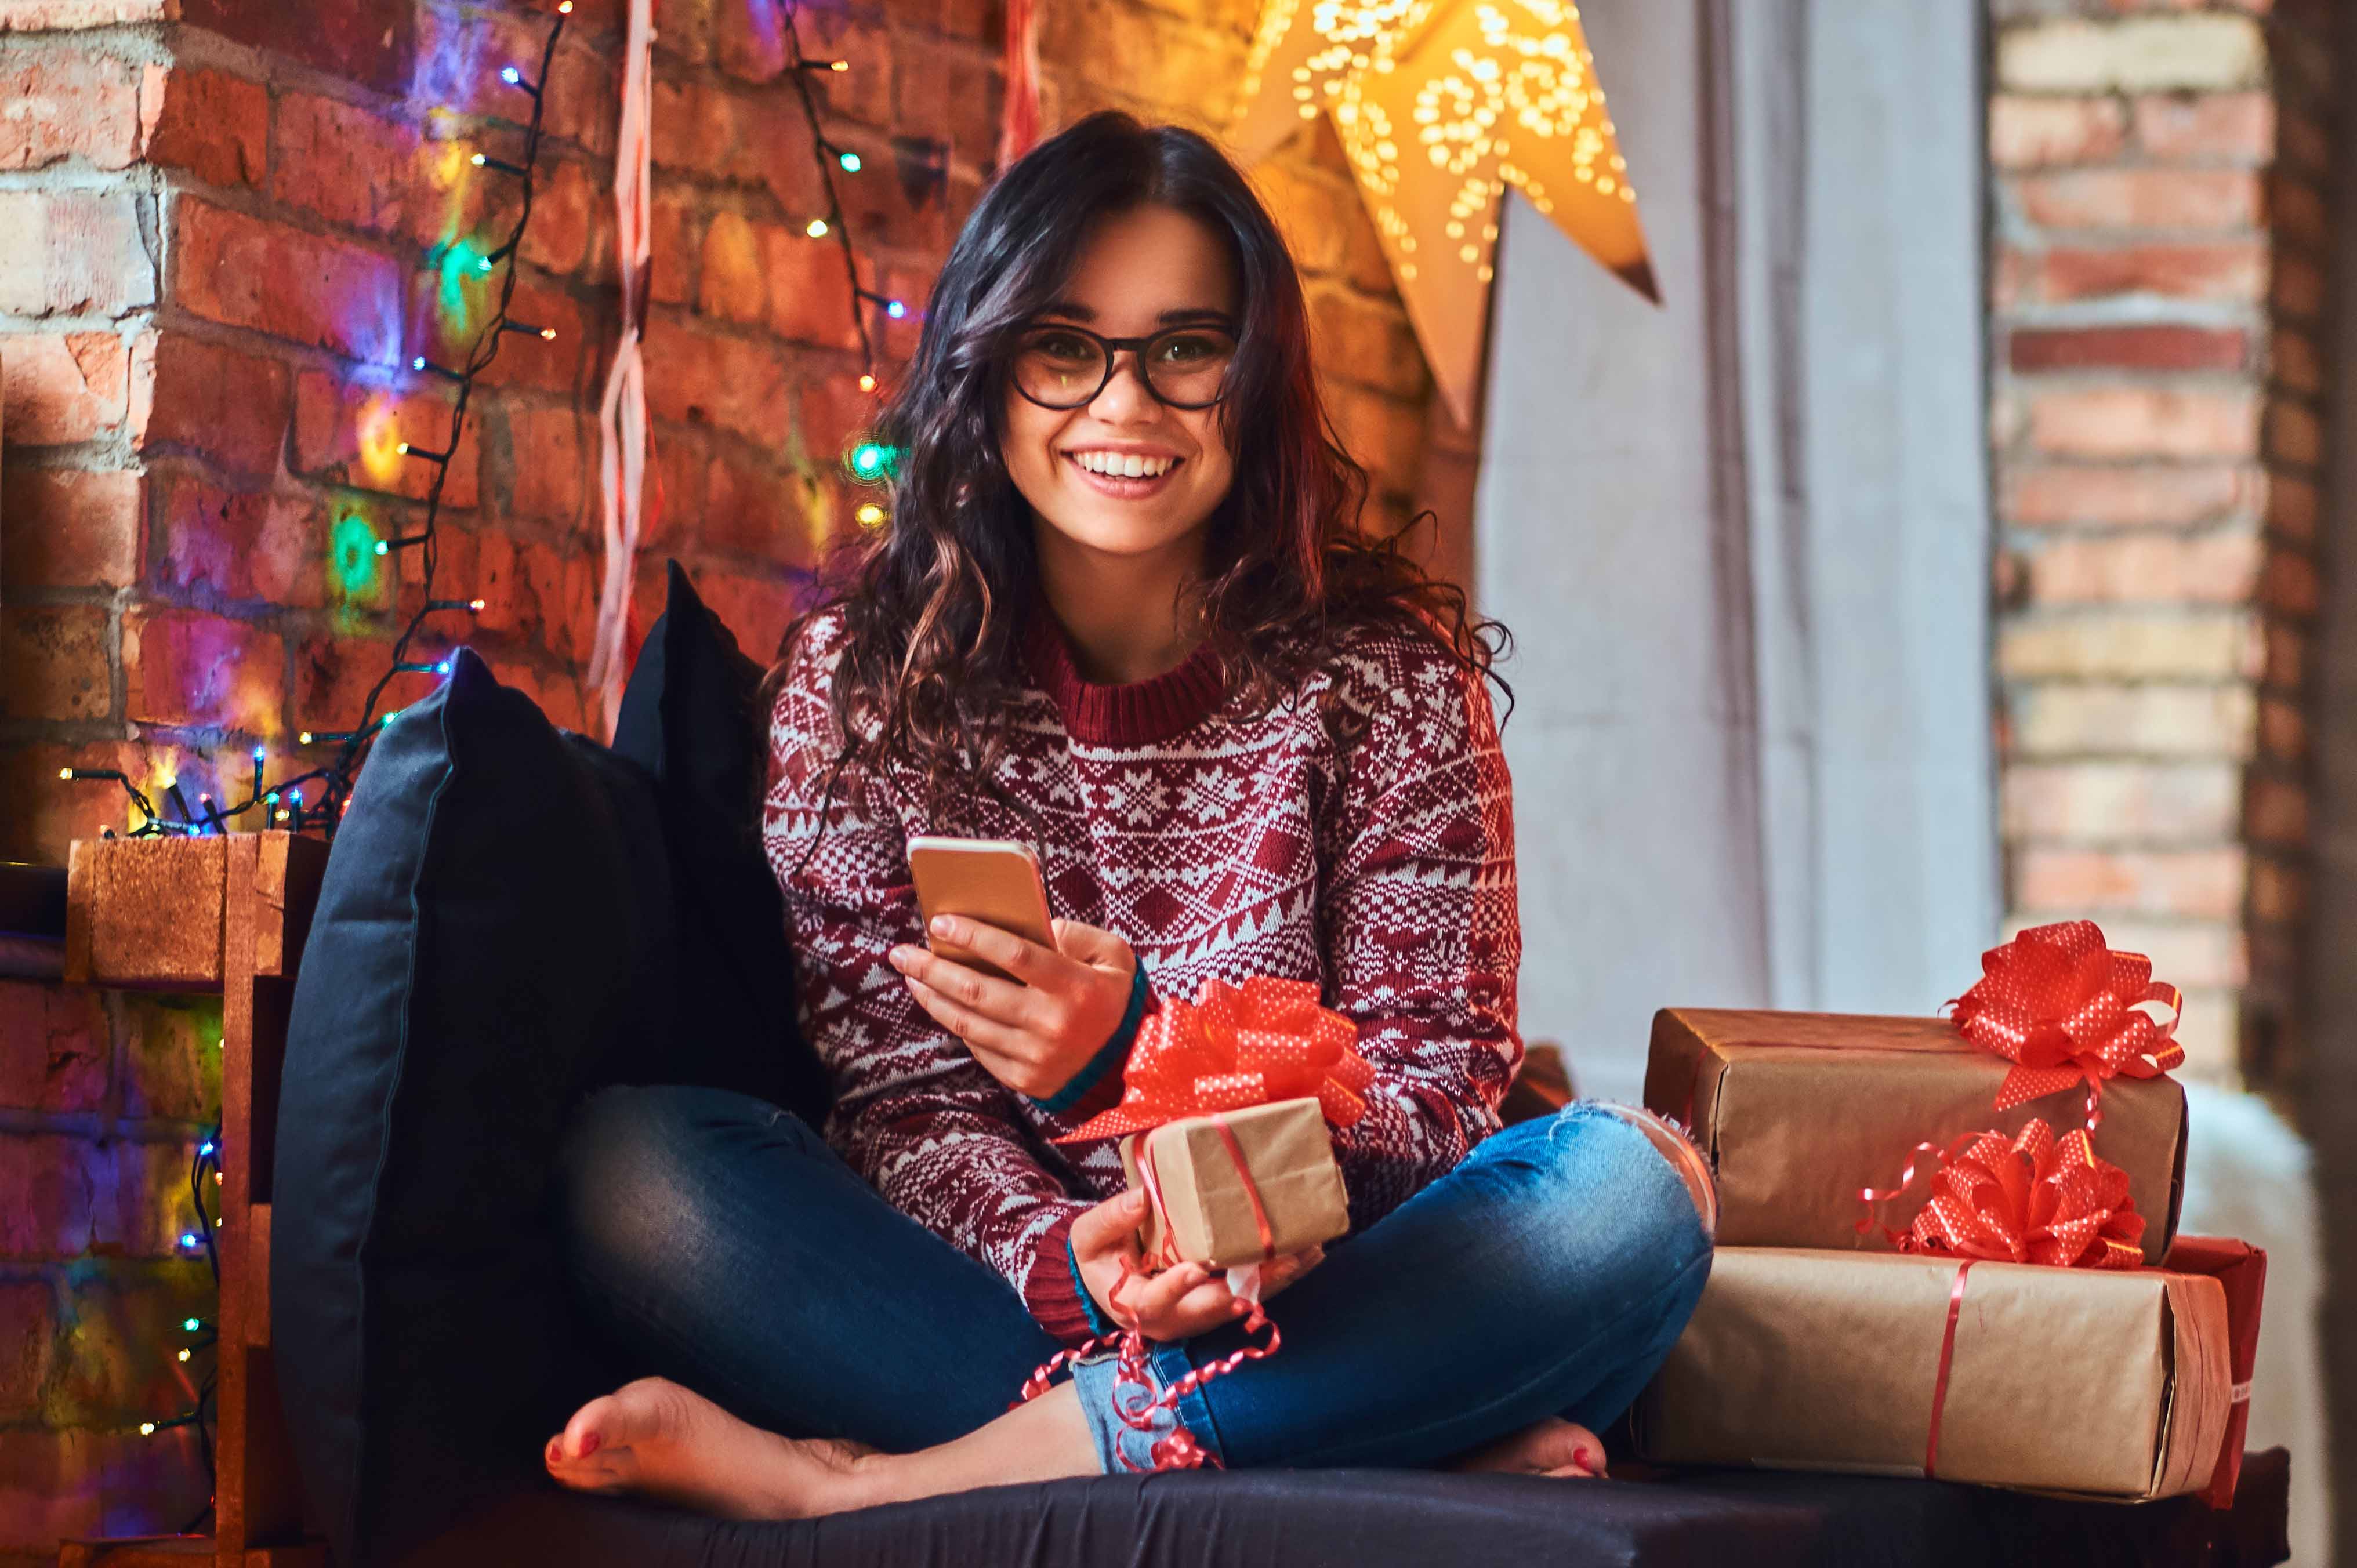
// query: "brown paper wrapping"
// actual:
[[2095, 1382], [1291, 1159], [1799, 1111]]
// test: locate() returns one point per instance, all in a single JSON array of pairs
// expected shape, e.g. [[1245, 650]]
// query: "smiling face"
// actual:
[[1140, 273]]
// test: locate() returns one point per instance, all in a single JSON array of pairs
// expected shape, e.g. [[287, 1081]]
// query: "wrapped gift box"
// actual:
[[1800, 1110], [1206, 1208], [2095, 1382], [2241, 1269]]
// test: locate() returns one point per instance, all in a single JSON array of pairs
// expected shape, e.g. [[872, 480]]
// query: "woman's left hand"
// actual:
[[1036, 1035]]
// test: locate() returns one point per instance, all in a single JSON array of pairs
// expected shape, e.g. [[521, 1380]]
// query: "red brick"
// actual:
[[2292, 507], [882, 216], [748, 511], [2121, 802], [2282, 731], [572, 364], [2213, 568], [2302, 142], [730, 285], [69, 103], [58, 1049], [555, 451], [333, 674], [2298, 287], [943, 94], [61, 388], [2276, 811], [65, 528], [564, 198], [186, 667], [707, 379], [350, 432], [774, 150], [28, 1333], [213, 124], [584, 84], [61, 16], [2140, 348], [2205, 884], [2278, 892], [912, 289], [752, 39], [373, 42], [2123, 421], [2297, 209], [863, 93], [347, 164], [2293, 434], [2294, 361], [810, 289], [262, 545], [692, 127], [2143, 198], [226, 407], [73, 252], [54, 657], [172, 1066], [557, 693], [754, 608], [2288, 584], [2207, 127], [242, 271], [672, 246], [2024, 133], [2231, 270], [56, 1187], [834, 413]]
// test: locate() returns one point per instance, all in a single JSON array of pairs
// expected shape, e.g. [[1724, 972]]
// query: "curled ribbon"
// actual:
[[2031, 1199], [2061, 1006], [1236, 1046]]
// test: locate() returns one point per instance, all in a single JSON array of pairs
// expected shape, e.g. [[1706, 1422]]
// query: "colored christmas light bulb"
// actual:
[[512, 76], [850, 162], [867, 383], [815, 229], [895, 310], [189, 1324]]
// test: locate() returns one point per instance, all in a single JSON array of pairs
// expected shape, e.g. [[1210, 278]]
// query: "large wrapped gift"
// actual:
[[2100, 1382], [1224, 1119], [2241, 1269], [1803, 1111]]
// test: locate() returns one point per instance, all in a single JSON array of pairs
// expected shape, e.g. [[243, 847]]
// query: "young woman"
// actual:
[[1123, 611]]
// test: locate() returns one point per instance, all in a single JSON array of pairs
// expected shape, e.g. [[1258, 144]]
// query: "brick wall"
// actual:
[[2158, 244], [223, 226]]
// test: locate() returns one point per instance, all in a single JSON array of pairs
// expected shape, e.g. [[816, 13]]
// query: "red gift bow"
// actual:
[[2028, 1200], [2060, 1005], [1237, 1045]]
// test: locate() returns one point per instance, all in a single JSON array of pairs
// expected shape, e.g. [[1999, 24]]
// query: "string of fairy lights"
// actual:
[[284, 802]]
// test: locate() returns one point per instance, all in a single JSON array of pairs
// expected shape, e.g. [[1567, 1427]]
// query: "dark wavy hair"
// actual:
[[933, 602]]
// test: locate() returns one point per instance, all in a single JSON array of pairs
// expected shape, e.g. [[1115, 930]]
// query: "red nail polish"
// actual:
[[590, 1444]]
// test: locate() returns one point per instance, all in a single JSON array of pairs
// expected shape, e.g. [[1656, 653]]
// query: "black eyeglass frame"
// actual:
[[1113, 347]]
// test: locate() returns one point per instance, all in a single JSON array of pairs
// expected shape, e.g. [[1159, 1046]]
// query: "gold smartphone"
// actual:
[[995, 881]]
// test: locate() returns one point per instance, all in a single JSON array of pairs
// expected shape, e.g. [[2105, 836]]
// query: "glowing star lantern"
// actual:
[[1439, 105]]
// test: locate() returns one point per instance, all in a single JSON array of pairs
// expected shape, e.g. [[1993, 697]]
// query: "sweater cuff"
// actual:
[[1052, 1290], [1096, 1086]]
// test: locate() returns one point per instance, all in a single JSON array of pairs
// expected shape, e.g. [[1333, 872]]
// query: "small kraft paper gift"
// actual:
[[1224, 1119], [1803, 1111], [2015, 1341]]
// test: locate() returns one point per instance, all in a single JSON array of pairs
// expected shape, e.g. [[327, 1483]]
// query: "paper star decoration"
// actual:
[[1439, 105]]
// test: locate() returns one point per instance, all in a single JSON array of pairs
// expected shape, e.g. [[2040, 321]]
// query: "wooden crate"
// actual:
[[226, 914]]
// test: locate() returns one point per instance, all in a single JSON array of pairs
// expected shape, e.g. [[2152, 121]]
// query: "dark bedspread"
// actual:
[[1372, 1518]]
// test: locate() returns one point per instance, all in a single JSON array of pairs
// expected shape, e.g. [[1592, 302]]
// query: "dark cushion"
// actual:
[[690, 717], [493, 939], [1407, 1518]]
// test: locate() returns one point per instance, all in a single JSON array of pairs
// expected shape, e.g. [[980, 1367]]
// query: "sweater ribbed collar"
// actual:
[[1133, 713]]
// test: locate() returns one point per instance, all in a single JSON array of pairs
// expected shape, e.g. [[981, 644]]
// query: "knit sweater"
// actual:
[[1365, 843]]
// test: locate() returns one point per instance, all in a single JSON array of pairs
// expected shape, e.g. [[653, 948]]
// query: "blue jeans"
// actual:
[[728, 1248]]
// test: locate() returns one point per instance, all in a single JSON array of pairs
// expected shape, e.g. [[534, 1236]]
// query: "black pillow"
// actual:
[[493, 939], [689, 717]]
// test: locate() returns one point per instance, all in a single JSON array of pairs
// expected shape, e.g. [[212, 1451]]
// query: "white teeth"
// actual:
[[1130, 466]]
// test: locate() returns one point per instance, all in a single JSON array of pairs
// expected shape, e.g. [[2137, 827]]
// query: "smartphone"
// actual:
[[995, 881]]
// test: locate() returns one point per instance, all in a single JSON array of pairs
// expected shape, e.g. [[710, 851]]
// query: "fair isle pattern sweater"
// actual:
[[1365, 843]]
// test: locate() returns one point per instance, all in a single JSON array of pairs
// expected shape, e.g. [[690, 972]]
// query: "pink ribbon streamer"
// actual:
[[622, 416]]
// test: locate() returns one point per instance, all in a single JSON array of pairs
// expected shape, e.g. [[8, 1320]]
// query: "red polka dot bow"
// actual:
[[1237, 1045], [2061, 1006], [2032, 1200]]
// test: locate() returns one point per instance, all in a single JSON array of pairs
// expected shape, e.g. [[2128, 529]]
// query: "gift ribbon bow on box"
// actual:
[[1237, 1045], [2029, 1200], [2061, 1006]]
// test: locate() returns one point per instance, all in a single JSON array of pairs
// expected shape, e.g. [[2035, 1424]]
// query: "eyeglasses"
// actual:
[[1066, 366]]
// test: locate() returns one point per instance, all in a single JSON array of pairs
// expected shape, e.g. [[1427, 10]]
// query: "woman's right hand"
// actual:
[[1181, 1302]]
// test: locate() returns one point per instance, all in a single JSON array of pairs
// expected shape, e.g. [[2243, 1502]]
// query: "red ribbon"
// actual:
[[1947, 1356], [1149, 1179], [2062, 1006], [2031, 1199], [1236, 1046]]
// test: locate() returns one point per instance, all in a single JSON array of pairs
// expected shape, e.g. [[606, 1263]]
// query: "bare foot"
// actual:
[[1550, 1446], [659, 1440]]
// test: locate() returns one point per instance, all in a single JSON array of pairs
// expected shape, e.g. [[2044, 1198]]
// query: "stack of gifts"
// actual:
[[1947, 1248]]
